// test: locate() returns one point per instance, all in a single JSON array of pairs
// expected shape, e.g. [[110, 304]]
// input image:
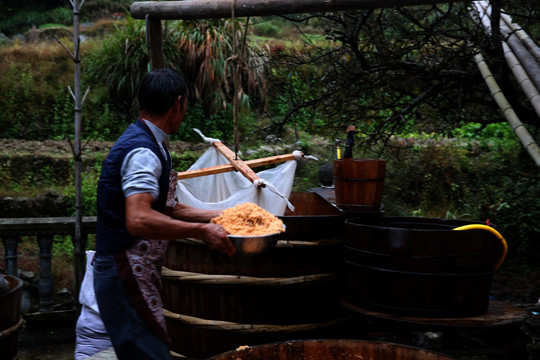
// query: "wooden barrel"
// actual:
[[10, 318], [214, 303], [420, 266], [359, 184], [331, 350]]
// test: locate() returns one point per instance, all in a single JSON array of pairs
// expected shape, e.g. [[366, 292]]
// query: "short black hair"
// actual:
[[159, 89]]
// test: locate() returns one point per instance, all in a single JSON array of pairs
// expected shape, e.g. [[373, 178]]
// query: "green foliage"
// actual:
[[182, 162], [30, 82], [218, 125], [119, 61], [89, 191], [442, 176], [62, 248], [21, 21], [267, 29]]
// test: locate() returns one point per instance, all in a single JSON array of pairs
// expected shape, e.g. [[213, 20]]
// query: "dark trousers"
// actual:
[[131, 338]]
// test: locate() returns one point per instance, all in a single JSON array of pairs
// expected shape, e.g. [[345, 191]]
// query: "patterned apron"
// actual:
[[140, 270]]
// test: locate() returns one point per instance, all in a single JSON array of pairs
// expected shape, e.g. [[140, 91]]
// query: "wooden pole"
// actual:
[[154, 41], [236, 162], [229, 167], [212, 9]]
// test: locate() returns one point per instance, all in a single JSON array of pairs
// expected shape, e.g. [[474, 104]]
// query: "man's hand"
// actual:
[[215, 238], [143, 221]]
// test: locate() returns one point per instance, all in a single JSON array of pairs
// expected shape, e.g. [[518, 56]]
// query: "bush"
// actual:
[[267, 29], [22, 21], [30, 79]]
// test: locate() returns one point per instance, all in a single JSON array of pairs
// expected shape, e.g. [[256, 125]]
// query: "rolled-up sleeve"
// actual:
[[140, 172]]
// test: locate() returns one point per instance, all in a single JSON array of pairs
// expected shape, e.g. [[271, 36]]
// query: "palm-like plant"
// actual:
[[207, 45], [196, 49]]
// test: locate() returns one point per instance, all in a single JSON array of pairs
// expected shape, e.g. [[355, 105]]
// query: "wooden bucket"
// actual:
[[214, 303], [10, 318], [420, 266], [331, 350], [359, 184]]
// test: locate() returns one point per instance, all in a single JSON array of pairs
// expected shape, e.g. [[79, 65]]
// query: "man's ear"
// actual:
[[182, 101]]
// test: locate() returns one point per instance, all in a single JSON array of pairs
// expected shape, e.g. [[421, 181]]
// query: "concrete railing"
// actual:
[[11, 231]]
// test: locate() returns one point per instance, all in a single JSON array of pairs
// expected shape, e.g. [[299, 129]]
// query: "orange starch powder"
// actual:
[[249, 219]]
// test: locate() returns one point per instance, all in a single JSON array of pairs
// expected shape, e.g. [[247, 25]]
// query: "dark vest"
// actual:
[[112, 235]]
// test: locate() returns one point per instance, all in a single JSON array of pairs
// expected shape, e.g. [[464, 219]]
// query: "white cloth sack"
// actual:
[[91, 334], [225, 190]]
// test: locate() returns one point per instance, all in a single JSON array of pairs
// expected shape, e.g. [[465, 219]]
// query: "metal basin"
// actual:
[[251, 245]]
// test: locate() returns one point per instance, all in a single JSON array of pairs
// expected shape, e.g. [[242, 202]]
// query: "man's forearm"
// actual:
[[188, 213]]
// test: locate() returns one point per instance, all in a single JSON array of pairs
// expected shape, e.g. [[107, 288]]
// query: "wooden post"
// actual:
[[154, 41]]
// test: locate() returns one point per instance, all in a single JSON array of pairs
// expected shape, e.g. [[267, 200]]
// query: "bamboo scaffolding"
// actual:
[[523, 79], [528, 59], [529, 43], [519, 129]]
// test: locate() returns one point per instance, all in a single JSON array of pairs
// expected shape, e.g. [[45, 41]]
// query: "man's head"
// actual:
[[159, 91]]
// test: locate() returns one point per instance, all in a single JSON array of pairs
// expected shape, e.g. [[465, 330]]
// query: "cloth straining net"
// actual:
[[221, 191]]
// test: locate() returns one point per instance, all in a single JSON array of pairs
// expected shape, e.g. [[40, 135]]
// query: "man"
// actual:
[[137, 213]]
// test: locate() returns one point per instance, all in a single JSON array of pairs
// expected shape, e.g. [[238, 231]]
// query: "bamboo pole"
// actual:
[[229, 167], [519, 129], [79, 239], [529, 43], [239, 328], [212, 9], [528, 59], [523, 78], [218, 280]]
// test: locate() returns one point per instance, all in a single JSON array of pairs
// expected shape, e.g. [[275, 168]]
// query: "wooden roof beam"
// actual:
[[213, 9]]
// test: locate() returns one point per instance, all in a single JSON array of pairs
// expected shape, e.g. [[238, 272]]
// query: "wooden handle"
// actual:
[[229, 167], [236, 162]]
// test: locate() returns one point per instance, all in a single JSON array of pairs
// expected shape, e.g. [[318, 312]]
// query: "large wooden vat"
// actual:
[[331, 350], [420, 266], [10, 318], [214, 303]]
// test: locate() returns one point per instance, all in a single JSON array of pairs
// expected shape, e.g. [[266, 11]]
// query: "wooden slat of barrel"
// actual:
[[314, 259], [420, 267], [10, 318], [359, 183], [302, 299]]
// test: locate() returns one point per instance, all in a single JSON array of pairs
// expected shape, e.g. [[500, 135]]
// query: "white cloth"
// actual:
[[221, 191], [91, 336]]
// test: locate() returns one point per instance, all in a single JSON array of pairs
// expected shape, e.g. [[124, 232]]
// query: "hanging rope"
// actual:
[[238, 64]]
